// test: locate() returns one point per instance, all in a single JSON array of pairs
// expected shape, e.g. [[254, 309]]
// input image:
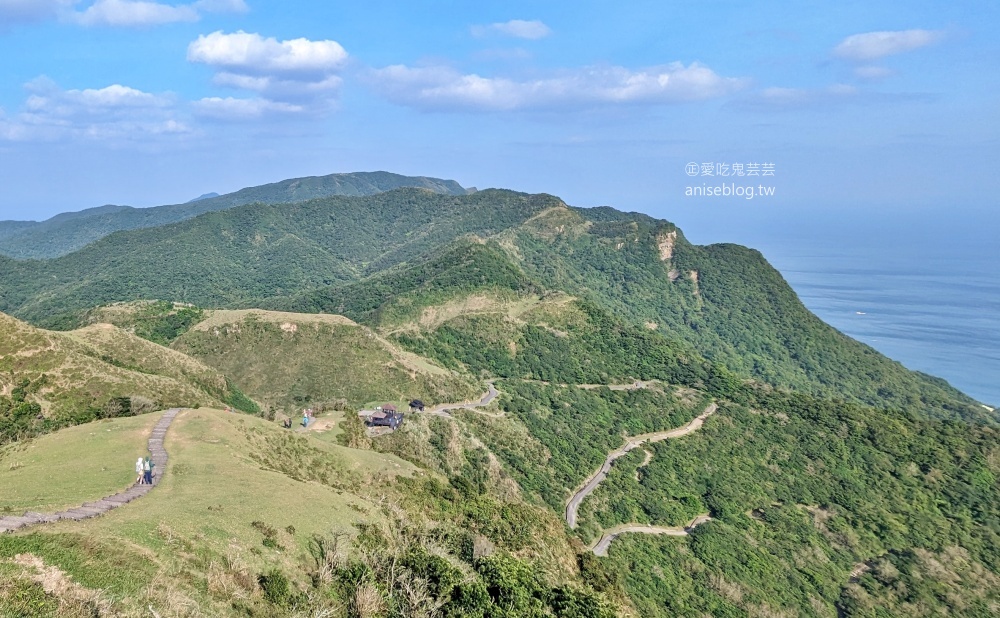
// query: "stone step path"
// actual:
[[92, 509]]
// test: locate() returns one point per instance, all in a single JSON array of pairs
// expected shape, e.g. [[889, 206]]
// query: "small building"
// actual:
[[385, 418], [389, 408]]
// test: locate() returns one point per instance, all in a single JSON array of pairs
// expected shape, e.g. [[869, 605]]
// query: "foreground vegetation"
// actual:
[[420, 542]]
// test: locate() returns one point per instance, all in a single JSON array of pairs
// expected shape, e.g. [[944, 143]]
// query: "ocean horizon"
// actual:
[[941, 318], [922, 288]]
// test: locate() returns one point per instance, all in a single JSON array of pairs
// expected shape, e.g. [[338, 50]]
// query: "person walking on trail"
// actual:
[[140, 472], [305, 419], [147, 468]]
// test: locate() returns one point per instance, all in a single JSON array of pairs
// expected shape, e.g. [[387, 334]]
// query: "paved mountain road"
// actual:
[[634, 442], [601, 547], [487, 399]]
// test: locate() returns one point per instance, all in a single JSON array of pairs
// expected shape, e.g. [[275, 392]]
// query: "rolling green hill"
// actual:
[[240, 256], [290, 361], [738, 312], [69, 232], [52, 379]]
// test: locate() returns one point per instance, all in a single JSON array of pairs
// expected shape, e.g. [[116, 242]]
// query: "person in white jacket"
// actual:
[[140, 471]]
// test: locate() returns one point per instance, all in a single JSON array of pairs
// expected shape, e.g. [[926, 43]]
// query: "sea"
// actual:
[[922, 288]]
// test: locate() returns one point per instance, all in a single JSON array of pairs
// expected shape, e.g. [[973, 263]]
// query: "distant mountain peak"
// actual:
[[203, 196], [68, 232]]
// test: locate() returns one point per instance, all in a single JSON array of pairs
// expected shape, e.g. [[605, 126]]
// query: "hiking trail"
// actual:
[[158, 455]]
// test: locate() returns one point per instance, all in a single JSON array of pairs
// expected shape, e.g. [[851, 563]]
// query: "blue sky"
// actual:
[[860, 106]]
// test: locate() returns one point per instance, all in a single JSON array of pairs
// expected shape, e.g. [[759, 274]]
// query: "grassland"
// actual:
[[226, 471], [75, 372], [289, 361], [72, 466]]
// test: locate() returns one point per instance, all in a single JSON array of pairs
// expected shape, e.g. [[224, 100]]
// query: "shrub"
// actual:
[[276, 588]]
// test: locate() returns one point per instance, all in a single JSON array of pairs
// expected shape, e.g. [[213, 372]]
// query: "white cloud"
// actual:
[[47, 97], [115, 111], [277, 87], [294, 76], [873, 45], [517, 28], [445, 88], [233, 109], [253, 54], [134, 13], [142, 13]]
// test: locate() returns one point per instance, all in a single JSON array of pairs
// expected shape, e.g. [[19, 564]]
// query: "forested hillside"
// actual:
[[69, 232], [374, 257], [819, 507], [238, 257]]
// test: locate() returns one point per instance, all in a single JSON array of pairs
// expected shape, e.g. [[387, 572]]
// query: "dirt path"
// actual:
[[92, 509], [600, 548], [634, 442]]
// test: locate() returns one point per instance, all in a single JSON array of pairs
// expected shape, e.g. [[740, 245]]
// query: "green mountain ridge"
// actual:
[[54, 379], [354, 255], [68, 232], [236, 257]]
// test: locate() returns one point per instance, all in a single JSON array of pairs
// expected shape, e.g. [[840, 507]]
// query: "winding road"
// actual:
[[487, 399], [92, 509], [634, 442], [600, 548]]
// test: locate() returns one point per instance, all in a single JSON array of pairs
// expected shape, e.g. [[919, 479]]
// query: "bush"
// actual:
[[276, 587]]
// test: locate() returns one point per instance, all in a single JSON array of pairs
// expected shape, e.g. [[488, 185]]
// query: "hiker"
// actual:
[[305, 419], [140, 472], [147, 468], [287, 423]]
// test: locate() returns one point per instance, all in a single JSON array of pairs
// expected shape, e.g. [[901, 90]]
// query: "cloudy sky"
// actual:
[[855, 107]]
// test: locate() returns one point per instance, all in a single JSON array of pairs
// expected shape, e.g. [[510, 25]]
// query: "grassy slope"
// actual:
[[217, 483], [69, 232], [130, 351], [86, 369], [69, 467], [191, 547], [289, 360]]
